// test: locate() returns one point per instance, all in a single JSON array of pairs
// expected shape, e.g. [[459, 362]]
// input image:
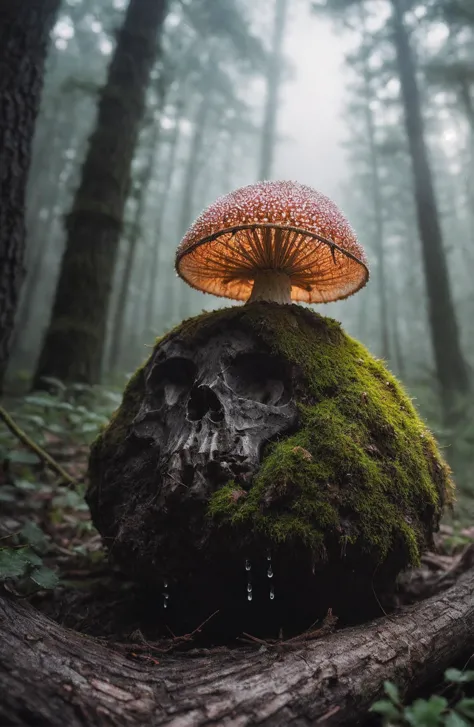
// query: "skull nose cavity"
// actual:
[[203, 401]]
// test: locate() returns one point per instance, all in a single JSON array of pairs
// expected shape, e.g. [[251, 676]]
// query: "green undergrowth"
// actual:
[[362, 471], [454, 707]]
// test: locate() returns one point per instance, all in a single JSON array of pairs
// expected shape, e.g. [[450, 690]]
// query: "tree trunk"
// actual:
[[379, 241], [24, 30], [451, 367], [191, 167], [190, 177], [76, 680], [158, 228], [74, 343], [118, 327], [275, 63]]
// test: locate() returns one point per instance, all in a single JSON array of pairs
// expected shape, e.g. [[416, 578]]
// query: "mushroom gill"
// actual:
[[277, 241]]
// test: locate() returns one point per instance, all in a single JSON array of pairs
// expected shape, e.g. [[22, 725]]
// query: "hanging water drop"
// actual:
[[247, 565], [165, 603], [249, 587], [249, 596], [270, 572], [166, 596], [269, 555], [272, 593], [165, 583]]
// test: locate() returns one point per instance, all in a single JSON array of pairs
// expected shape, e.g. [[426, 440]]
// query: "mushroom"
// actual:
[[273, 241]]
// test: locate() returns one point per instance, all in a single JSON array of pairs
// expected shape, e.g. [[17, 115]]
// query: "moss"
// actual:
[[363, 471], [116, 430], [362, 476]]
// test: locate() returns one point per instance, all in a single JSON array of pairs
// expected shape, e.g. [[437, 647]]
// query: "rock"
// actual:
[[264, 435]]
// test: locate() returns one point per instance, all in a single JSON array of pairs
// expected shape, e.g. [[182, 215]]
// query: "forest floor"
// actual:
[[50, 552], [52, 556]]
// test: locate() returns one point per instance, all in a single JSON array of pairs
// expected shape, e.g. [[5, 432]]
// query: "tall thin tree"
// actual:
[[275, 66], [451, 366], [75, 339], [24, 31]]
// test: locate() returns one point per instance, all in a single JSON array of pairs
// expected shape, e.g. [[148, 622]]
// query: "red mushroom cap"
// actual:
[[283, 227]]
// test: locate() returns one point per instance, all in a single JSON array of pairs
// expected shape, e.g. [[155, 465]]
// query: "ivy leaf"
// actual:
[[54, 382], [34, 536], [426, 713], [391, 690], [12, 564], [458, 677], [22, 456], [466, 707], [386, 709], [454, 720], [45, 577]]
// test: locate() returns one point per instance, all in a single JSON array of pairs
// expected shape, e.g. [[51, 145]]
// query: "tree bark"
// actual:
[[451, 366], [166, 281], [378, 205], [76, 680], [24, 31], [275, 63], [133, 242], [74, 343]]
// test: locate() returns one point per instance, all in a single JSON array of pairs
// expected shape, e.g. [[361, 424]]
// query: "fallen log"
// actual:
[[52, 676]]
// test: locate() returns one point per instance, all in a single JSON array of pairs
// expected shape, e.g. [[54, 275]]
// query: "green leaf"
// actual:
[[386, 709], [466, 707], [12, 564], [454, 720], [23, 484], [426, 713], [30, 557], [44, 577], [22, 456], [45, 402], [34, 536], [391, 690], [54, 382], [458, 677]]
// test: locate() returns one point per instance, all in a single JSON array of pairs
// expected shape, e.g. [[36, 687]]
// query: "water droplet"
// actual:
[[272, 593], [247, 565], [269, 555], [165, 604], [165, 584], [249, 587], [270, 572], [249, 596], [166, 596]]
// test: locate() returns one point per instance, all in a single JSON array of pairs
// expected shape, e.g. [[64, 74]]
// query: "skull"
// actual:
[[209, 409]]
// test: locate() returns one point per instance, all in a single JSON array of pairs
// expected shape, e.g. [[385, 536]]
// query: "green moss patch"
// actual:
[[362, 473], [362, 476]]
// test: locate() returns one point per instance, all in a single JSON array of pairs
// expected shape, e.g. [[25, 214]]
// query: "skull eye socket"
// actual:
[[203, 401], [260, 377], [170, 381]]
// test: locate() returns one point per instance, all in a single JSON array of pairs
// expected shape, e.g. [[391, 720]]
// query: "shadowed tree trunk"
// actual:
[[75, 339], [78, 681], [24, 30], [451, 367], [167, 282], [134, 241], [275, 63], [379, 241]]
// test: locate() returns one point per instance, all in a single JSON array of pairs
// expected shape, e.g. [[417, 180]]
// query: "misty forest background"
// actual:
[[241, 91]]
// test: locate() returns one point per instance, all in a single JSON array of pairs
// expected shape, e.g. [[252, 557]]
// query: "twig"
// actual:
[[44, 456]]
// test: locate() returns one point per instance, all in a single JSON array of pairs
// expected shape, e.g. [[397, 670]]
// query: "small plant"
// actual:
[[21, 560], [436, 711]]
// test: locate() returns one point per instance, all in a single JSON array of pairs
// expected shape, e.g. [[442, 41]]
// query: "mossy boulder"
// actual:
[[341, 502]]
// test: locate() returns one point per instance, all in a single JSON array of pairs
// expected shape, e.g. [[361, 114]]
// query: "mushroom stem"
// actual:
[[272, 286]]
